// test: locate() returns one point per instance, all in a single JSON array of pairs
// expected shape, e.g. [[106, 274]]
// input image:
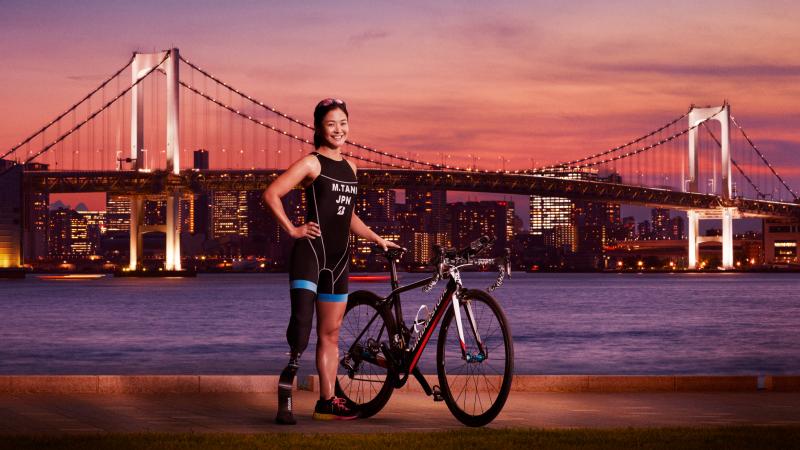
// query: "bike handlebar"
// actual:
[[446, 259]]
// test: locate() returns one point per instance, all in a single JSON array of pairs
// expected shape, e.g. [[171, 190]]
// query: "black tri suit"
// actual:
[[319, 267]]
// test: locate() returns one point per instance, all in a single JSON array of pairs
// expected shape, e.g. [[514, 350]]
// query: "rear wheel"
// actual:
[[475, 388], [364, 375]]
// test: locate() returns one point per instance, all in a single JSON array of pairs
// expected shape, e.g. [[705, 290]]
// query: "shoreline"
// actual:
[[599, 271], [157, 384]]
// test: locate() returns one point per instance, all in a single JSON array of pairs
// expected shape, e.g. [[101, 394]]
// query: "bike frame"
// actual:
[[409, 363]]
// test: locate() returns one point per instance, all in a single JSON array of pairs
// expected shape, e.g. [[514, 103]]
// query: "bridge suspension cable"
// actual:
[[644, 148], [69, 110], [735, 164], [88, 118], [763, 158], [310, 126], [566, 164], [272, 127]]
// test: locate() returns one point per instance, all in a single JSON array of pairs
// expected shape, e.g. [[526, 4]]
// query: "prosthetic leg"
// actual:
[[285, 383], [297, 335]]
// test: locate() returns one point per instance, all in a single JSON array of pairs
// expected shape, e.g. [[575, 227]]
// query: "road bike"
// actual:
[[474, 354]]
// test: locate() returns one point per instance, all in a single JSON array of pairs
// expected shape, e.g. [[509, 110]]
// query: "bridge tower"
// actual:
[[727, 214], [142, 63]]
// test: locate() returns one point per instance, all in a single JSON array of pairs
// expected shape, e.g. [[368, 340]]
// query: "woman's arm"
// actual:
[[294, 175]]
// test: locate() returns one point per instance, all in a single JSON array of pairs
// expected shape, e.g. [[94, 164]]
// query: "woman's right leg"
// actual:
[[303, 277]]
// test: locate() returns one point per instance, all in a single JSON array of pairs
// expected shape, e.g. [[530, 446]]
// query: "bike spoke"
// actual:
[[366, 383], [476, 385]]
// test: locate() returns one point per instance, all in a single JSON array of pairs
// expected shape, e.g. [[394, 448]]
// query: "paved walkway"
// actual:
[[252, 413]]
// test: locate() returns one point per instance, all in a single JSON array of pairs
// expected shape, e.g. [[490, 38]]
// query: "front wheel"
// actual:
[[475, 387], [364, 375]]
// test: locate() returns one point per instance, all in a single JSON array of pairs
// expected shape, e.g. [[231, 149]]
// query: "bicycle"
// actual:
[[475, 363]]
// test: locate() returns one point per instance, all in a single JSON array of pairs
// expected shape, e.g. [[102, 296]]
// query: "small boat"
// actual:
[[368, 278], [72, 276]]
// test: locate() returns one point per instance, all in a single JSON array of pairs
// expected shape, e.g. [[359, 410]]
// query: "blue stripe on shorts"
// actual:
[[303, 284], [337, 298]]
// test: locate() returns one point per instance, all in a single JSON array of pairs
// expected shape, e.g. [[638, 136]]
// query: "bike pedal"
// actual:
[[437, 394]]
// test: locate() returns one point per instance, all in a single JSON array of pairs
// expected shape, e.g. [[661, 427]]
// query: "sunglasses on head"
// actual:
[[330, 101]]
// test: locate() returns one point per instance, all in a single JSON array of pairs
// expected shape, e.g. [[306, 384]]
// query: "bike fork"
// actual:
[[460, 327]]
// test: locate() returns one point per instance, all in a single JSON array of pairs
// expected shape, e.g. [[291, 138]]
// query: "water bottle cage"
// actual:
[[419, 325]]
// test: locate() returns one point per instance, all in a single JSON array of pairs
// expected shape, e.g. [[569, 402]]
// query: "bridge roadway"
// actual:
[[156, 182]]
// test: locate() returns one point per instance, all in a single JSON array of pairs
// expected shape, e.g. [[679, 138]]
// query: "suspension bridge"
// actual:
[[135, 132]]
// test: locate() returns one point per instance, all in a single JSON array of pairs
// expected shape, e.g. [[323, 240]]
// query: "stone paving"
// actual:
[[408, 411]]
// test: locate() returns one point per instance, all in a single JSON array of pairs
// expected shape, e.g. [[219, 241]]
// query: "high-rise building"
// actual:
[[259, 218], [431, 208], [780, 240], [661, 224], [118, 213], [155, 211], [471, 220], [576, 226], [34, 227], [629, 228], [201, 204], [676, 228], [229, 213], [294, 204], [201, 159], [422, 245], [95, 227], [614, 218], [592, 226], [376, 206], [68, 234], [96, 219], [10, 215], [186, 214], [553, 214], [362, 256], [58, 232], [645, 230]]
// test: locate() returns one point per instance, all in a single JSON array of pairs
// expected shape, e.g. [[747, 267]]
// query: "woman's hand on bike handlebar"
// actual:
[[385, 244], [309, 230]]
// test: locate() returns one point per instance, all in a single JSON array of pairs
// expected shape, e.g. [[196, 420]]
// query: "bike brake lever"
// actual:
[[434, 280], [499, 281]]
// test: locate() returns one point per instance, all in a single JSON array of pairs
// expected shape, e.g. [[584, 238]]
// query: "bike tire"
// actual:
[[487, 383], [370, 396]]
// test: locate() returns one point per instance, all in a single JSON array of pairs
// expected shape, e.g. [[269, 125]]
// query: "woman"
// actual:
[[318, 266]]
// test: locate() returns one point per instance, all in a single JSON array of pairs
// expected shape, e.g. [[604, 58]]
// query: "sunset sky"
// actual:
[[541, 80]]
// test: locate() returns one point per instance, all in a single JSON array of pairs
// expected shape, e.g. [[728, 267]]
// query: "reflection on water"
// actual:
[[562, 323]]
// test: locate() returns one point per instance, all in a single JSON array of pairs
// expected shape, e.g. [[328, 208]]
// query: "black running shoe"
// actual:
[[334, 409]]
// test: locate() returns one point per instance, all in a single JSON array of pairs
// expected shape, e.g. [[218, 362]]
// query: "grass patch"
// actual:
[[747, 437]]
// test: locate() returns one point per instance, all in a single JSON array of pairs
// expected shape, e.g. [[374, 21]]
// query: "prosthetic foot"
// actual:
[[285, 382]]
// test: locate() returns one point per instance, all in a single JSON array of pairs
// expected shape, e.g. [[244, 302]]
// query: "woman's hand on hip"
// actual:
[[309, 230]]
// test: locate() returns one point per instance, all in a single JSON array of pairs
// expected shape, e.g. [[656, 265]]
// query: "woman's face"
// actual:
[[334, 128]]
